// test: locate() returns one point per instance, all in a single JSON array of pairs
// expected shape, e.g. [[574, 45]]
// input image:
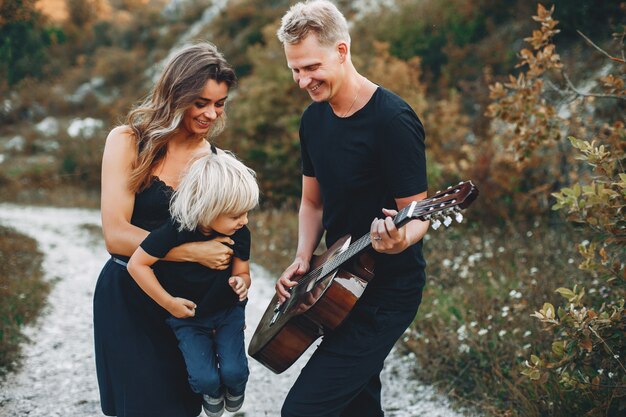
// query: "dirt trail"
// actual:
[[58, 373]]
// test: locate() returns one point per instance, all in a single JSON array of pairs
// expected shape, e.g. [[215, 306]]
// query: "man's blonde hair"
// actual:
[[320, 17], [214, 184]]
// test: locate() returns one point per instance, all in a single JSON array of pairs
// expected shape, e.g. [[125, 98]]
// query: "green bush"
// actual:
[[23, 41]]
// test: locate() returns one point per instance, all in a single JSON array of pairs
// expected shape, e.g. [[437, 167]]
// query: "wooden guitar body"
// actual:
[[315, 310]]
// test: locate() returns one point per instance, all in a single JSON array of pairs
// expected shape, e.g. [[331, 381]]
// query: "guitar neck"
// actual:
[[450, 201], [441, 205]]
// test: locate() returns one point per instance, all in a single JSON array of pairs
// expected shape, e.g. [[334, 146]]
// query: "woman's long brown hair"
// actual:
[[155, 119]]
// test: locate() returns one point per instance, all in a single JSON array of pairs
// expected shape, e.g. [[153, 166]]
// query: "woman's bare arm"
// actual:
[[117, 200]]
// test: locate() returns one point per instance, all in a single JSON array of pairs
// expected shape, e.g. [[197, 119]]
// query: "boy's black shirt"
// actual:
[[206, 287]]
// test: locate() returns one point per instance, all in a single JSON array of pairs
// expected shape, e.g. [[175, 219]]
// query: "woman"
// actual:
[[140, 369]]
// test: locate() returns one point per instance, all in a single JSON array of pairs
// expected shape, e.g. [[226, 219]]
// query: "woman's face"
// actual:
[[206, 109]]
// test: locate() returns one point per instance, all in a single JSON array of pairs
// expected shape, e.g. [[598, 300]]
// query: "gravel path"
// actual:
[[58, 373]]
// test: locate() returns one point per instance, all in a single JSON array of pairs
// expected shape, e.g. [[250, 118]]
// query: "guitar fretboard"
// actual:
[[424, 209], [452, 200]]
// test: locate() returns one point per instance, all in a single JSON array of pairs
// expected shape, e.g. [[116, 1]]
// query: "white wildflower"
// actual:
[[462, 333], [463, 348]]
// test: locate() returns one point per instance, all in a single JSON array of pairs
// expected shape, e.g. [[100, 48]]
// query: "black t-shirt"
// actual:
[[362, 163], [206, 287]]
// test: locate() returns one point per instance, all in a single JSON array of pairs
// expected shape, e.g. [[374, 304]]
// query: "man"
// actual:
[[362, 157]]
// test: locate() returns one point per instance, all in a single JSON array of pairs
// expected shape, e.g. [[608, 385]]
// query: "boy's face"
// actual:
[[227, 223]]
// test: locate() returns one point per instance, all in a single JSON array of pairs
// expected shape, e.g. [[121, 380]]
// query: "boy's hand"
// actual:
[[181, 308], [239, 286]]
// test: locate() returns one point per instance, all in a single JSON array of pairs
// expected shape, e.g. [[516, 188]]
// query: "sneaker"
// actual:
[[233, 402], [213, 407]]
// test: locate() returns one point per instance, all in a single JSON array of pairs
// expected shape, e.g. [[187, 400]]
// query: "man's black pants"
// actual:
[[342, 378]]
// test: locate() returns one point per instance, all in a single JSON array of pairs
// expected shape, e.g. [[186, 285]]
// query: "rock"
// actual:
[[17, 143], [48, 126], [86, 128]]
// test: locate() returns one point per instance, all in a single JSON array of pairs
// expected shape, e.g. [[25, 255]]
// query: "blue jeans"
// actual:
[[214, 351]]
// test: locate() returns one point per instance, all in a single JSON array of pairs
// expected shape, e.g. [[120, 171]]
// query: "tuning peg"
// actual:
[[447, 221], [458, 217], [436, 224]]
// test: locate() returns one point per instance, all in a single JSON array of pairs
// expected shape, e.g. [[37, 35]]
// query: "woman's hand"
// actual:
[[181, 308], [238, 284], [213, 253]]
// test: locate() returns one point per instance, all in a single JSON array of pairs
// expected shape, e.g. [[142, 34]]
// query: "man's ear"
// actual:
[[343, 49]]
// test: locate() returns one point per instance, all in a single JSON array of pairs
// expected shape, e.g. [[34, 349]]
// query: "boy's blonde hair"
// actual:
[[214, 184], [320, 17]]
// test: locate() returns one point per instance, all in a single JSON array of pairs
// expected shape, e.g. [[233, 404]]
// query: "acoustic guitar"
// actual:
[[323, 297]]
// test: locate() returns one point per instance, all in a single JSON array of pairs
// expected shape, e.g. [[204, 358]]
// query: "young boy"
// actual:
[[206, 305]]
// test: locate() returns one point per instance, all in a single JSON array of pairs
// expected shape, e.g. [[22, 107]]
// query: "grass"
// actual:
[[22, 291], [474, 329]]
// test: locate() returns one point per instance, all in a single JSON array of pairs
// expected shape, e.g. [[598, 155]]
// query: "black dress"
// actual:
[[141, 371]]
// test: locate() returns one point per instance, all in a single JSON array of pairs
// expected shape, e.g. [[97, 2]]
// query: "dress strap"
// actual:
[[213, 149]]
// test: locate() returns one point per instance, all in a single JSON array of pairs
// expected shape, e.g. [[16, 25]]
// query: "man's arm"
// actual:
[[310, 232]]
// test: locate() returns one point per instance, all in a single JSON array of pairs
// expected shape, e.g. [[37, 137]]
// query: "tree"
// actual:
[[23, 41]]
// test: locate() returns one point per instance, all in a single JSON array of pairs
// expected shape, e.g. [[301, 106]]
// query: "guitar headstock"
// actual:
[[441, 206]]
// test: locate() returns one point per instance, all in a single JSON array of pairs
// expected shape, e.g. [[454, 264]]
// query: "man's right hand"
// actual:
[[287, 280]]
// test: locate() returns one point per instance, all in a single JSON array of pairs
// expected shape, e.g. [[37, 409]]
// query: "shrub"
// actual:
[[578, 366]]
